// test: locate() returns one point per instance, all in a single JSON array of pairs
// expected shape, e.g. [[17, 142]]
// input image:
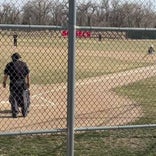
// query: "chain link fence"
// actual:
[[109, 86], [45, 53], [104, 66], [115, 67]]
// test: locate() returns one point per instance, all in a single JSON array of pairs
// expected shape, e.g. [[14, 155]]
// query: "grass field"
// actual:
[[143, 92], [47, 60], [47, 57]]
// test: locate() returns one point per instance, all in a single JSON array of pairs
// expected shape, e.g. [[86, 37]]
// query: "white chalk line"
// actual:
[[4, 102], [44, 100], [39, 96]]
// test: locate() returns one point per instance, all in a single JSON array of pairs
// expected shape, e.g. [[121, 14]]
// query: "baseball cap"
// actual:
[[16, 56]]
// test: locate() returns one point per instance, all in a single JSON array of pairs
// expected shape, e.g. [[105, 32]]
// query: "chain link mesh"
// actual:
[[103, 67], [105, 70], [46, 56], [115, 63]]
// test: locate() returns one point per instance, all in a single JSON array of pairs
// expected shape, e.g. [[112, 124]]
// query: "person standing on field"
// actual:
[[18, 73], [151, 49]]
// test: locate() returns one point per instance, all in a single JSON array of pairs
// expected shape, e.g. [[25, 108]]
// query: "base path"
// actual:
[[95, 105]]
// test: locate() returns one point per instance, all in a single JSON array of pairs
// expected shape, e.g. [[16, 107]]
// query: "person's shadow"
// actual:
[[7, 114]]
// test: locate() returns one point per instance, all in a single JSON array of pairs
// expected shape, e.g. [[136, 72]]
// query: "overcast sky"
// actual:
[[19, 1], [145, 2]]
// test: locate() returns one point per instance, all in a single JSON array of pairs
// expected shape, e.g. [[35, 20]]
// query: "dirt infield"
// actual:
[[95, 105]]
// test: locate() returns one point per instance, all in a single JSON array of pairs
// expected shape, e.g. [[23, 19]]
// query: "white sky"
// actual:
[[20, 1], [144, 2]]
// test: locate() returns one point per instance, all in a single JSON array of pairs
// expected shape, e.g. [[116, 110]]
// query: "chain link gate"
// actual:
[[115, 76]]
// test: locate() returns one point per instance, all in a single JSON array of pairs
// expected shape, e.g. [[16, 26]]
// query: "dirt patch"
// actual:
[[95, 105]]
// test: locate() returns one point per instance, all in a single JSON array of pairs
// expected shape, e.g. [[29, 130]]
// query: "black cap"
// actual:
[[16, 56]]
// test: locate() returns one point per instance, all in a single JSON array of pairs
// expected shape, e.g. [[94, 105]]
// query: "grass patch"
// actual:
[[143, 92], [47, 56], [115, 143], [33, 145]]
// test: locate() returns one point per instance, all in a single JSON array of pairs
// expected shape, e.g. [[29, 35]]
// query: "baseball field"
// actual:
[[102, 68]]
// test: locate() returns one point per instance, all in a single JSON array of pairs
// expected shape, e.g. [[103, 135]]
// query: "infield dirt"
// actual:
[[95, 105]]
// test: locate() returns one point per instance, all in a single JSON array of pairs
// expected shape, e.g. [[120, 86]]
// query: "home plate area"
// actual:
[[47, 110]]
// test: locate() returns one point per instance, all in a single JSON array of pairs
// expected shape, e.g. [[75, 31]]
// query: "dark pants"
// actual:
[[19, 97]]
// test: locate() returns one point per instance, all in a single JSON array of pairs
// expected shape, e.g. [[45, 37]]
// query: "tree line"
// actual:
[[104, 13]]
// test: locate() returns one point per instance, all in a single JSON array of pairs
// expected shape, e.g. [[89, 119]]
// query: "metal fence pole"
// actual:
[[71, 77]]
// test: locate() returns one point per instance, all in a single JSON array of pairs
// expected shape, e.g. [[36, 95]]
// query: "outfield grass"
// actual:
[[143, 93], [47, 57], [105, 143]]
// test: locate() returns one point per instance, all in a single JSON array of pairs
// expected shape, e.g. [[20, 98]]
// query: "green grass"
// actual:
[[109, 143], [116, 143], [98, 66], [135, 46], [32, 146], [47, 56], [143, 92]]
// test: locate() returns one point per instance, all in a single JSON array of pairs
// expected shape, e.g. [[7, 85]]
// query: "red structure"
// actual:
[[85, 34]]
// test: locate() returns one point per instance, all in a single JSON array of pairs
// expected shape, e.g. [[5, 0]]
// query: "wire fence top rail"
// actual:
[[30, 27], [87, 28]]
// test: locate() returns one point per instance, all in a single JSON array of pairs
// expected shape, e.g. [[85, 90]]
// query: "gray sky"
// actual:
[[144, 2], [19, 1]]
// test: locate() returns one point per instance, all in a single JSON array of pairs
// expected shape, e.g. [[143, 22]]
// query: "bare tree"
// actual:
[[104, 12], [131, 15], [149, 16], [85, 13], [36, 12], [113, 13], [9, 14], [59, 13]]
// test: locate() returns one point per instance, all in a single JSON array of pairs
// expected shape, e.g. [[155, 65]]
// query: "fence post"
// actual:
[[71, 77]]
